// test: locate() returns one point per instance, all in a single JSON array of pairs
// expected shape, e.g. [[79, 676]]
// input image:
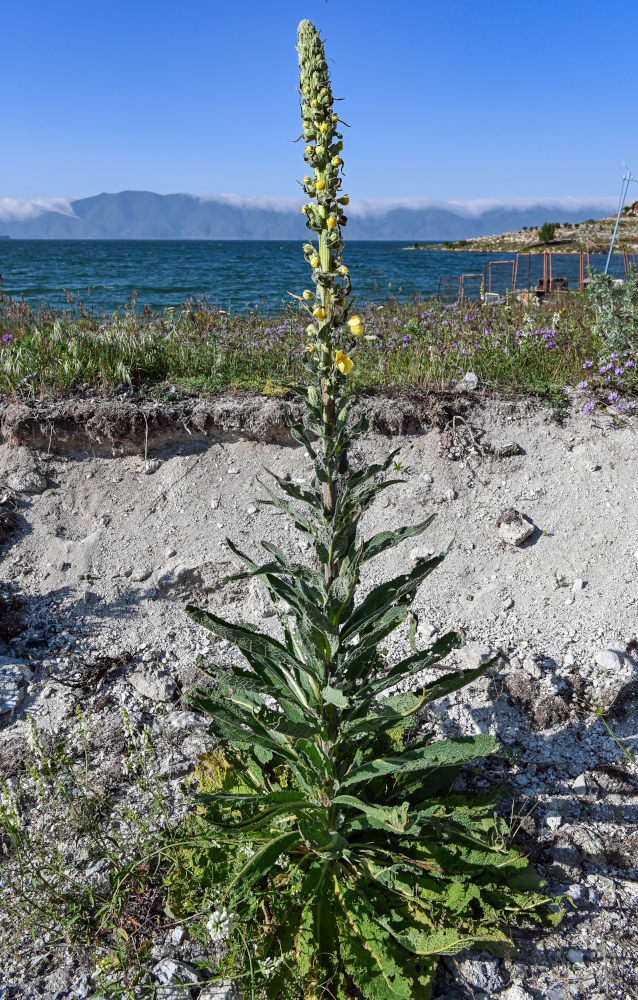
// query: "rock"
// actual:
[[156, 687], [508, 604], [215, 502], [575, 956], [516, 993], [553, 821], [578, 585], [609, 659], [220, 991], [169, 553], [420, 552], [141, 574], [177, 936], [513, 527], [505, 449], [450, 495], [13, 679], [251, 510], [475, 654], [482, 974], [170, 973], [428, 480], [531, 667], [27, 481], [259, 602], [185, 720], [577, 893], [579, 785], [469, 381], [232, 472], [151, 466]]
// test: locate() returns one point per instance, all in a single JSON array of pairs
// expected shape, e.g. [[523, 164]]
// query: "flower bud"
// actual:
[[324, 126], [314, 261], [336, 160], [331, 222], [344, 200], [319, 312], [307, 294], [321, 185]]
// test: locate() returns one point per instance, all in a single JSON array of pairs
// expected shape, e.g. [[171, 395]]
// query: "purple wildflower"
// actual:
[[582, 386], [7, 336], [589, 407], [588, 364], [612, 397]]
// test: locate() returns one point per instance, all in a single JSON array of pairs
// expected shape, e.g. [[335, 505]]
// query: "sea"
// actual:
[[238, 275]]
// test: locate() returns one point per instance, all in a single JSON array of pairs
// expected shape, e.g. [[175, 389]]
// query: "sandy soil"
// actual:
[[122, 509]]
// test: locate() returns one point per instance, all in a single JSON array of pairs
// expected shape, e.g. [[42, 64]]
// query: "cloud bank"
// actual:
[[19, 209]]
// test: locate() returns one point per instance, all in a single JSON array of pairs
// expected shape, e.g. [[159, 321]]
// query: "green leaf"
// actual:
[[392, 818], [389, 539], [386, 594], [412, 665], [443, 753], [332, 696], [260, 864]]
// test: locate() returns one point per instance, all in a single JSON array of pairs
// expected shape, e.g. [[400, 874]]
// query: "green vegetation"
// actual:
[[201, 349], [547, 232]]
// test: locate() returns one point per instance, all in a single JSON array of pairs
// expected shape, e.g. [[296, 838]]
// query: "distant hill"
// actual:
[[567, 237], [148, 216]]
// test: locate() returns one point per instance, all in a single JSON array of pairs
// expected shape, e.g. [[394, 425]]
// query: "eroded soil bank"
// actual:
[[116, 513]]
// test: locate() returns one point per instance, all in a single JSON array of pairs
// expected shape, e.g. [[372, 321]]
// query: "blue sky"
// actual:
[[454, 99]]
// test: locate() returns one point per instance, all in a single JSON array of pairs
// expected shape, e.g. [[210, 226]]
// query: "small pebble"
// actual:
[[575, 956]]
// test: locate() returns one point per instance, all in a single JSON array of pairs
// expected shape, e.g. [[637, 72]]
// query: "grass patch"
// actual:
[[200, 349]]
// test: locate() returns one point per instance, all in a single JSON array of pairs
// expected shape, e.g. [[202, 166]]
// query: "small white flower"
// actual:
[[220, 924], [269, 965]]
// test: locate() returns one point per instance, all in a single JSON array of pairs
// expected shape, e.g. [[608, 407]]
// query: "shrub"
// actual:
[[546, 232]]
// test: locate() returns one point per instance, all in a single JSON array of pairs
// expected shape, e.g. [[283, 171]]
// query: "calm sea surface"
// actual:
[[241, 274]]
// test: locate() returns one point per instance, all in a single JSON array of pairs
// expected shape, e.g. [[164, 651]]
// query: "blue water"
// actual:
[[242, 274]]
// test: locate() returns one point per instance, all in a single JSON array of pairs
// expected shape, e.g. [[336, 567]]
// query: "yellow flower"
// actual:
[[321, 185], [309, 150], [311, 348], [314, 102], [311, 330], [343, 269], [319, 312], [335, 118], [331, 222], [356, 328], [336, 160], [343, 362], [304, 209], [324, 126], [307, 294], [314, 261]]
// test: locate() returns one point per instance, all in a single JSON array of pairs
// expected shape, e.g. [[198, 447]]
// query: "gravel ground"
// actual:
[[116, 514]]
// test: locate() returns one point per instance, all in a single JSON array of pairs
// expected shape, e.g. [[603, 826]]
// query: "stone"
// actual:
[[505, 449], [140, 574], [532, 667], [575, 956], [169, 553], [155, 687], [579, 785], [151, 466], [177, 936], [577, 893], [170, 973], [14, 675], [428, 480], [215, 502], [516, 992], [469, 381], [508, 604], [513, 527], [420, 552], [482, 974], [553, 822], [609, 659], [185, 720], [450, 495], [27, 481], [251, 510], [232, 472], [476, 653], [578, 585], [220, 991]]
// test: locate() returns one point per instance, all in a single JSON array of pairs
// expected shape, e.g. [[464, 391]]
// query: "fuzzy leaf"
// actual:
[[260, 864], [393, 818], [389, 539], [444, 753], [332, 696]]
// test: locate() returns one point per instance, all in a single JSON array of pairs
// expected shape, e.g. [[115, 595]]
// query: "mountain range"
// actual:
[[146, 216]]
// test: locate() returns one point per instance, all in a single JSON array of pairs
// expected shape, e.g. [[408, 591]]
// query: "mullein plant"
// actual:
[[336, 858]]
